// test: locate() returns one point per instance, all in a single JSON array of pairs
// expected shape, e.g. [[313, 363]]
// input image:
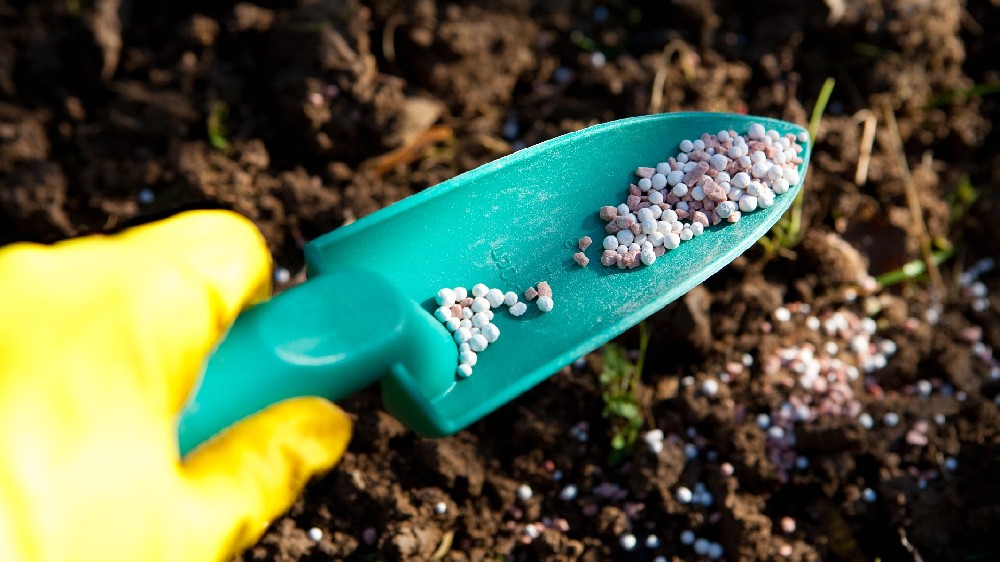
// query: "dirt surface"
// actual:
[[813, 413]]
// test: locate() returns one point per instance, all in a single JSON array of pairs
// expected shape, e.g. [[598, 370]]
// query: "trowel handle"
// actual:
[[330, 336]]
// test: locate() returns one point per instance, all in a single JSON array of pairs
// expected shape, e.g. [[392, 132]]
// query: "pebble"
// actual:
[[532, 531], [440, 508], [782, 314], [684, 495], [282, 276], [687, 537], [654, 440], [691, 450], [710, 387], [869, 495], [703, 498], [568, 493], [924, 388], [627, 541], [369, 535], [890, 419], [524, 492], [315, 534]]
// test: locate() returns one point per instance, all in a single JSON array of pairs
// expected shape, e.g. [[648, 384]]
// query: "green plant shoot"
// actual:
[[787, 232], [215, 125], [620, 383]]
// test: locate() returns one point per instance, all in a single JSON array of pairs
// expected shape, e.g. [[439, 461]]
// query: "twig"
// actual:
[[669, 50], [408, 152], [445, 546], [913, 201], [867, 141], [389, 36]]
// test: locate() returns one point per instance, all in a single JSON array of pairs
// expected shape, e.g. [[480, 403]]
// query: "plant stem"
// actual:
[[913, 201], [911, 270], [795, 217]]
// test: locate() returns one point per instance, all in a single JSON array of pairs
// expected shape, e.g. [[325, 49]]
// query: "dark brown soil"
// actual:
[[306, 114]]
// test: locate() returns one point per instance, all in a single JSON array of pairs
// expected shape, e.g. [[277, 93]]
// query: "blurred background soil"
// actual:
[[305, 115]]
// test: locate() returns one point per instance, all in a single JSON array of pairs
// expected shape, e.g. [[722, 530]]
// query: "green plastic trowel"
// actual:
[[365, 314]]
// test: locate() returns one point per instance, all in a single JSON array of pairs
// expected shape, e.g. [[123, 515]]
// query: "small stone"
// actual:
[[369, 535], [710, 387], [916, 438], [315, 534], [282, 276], [924, 388], [531, 531], [568, 493]]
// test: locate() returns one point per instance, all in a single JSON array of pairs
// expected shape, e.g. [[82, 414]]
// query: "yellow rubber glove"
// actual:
[[101, 340]]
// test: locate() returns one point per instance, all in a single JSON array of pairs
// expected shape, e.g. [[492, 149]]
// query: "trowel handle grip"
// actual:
[[330, 336]]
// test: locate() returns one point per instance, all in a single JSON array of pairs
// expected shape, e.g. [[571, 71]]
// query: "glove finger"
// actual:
[[251, 474], [219, 264]]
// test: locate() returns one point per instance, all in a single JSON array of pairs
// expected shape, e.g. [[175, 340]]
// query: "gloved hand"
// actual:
[[101, 340]]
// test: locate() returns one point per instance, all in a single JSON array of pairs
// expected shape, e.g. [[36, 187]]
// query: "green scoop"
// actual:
[[365, 314]]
